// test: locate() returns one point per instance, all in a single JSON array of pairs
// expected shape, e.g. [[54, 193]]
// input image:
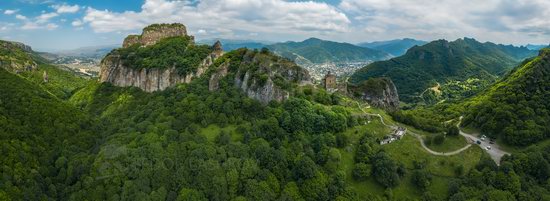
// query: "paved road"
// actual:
[[495, 152]]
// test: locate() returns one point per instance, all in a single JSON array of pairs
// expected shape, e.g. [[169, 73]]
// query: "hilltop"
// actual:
[[443, 70], [396, 47], [318, 51]]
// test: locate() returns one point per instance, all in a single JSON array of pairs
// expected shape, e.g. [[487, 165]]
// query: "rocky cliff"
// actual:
[[261, 75], [144, 62], [16, 57], [115, 70], [379, 92], [154, 33]]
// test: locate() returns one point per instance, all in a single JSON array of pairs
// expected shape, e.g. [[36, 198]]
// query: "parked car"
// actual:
[[478, 142], [488, 147]]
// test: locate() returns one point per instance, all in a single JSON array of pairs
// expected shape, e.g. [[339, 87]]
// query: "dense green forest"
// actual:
[[462, 68], [180, 52], [77, 139], [517, 107], [321, 51]]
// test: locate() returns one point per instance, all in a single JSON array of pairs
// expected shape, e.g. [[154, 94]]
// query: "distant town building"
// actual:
[[45, 76], [329, 82]]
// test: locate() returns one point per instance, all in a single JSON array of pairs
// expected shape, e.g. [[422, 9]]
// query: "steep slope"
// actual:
[[168, 57], [16, 56], [443, 70], [161, 57], [40, 138], [517, 107], [396, 47], [320, 51], [21, 59], [263, 75]]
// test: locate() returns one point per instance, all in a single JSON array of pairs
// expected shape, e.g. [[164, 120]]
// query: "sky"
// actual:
[[50, 25]]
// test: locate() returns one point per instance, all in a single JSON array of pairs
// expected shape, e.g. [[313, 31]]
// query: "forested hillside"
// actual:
[[321, 51], [443, 70], [394, 47], [517, 107], [45, 142]]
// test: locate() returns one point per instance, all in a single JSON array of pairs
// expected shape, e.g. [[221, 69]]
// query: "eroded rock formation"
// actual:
[[152, 79], [379, 92]]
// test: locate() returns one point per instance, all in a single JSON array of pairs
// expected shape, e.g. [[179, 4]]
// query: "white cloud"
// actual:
[[496, 20], [77, 23], [273, 16], [51, 26], [10, 12], [45, 17], [20, 17], [66, 8], [29, 25]]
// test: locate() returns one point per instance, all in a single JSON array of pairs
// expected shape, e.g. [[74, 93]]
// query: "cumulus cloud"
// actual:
[[77, 23], [45, 17], [66, 8], [20, 17], [274, 16], [10, 12], [503, 19]]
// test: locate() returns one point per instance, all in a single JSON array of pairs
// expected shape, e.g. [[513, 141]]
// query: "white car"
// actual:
[[488, 147]]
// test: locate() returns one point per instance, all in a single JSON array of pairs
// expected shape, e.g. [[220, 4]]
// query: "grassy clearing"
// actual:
[[407, 151], [212, 131], [451, 143]]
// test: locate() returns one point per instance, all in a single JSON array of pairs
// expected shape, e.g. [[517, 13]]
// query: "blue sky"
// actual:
[[55, 25]]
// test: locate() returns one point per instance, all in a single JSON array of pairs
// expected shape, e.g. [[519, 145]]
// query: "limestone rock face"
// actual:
[[264, 93], [152, 79], [149, 80], [381, 93], [131, 40], [214, 82], [154, 33], [18, 57]]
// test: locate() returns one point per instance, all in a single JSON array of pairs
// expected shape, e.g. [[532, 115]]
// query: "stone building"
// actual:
[[329, 82]]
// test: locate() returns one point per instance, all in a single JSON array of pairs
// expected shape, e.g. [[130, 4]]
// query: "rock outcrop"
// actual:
[[154, 33], [115, 72], [266, 80], [380, 92], [262, 75], [17, 57]]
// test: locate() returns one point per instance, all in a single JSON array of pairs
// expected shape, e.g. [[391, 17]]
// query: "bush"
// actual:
[[439, 139], [361, 171]]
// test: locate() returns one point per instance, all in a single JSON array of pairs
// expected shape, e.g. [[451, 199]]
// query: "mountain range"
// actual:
[[318, 51], [171, 119], [459, 68], [231, 44], [395, 47]]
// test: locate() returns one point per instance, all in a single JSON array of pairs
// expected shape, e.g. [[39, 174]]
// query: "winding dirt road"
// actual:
[[419, 137], [495, 151]]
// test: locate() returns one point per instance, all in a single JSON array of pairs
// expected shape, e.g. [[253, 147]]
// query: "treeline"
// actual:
[[179, 52], [517, 108], [522, 176]]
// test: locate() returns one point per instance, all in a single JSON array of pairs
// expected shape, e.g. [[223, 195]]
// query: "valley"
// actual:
[[167, 115]]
